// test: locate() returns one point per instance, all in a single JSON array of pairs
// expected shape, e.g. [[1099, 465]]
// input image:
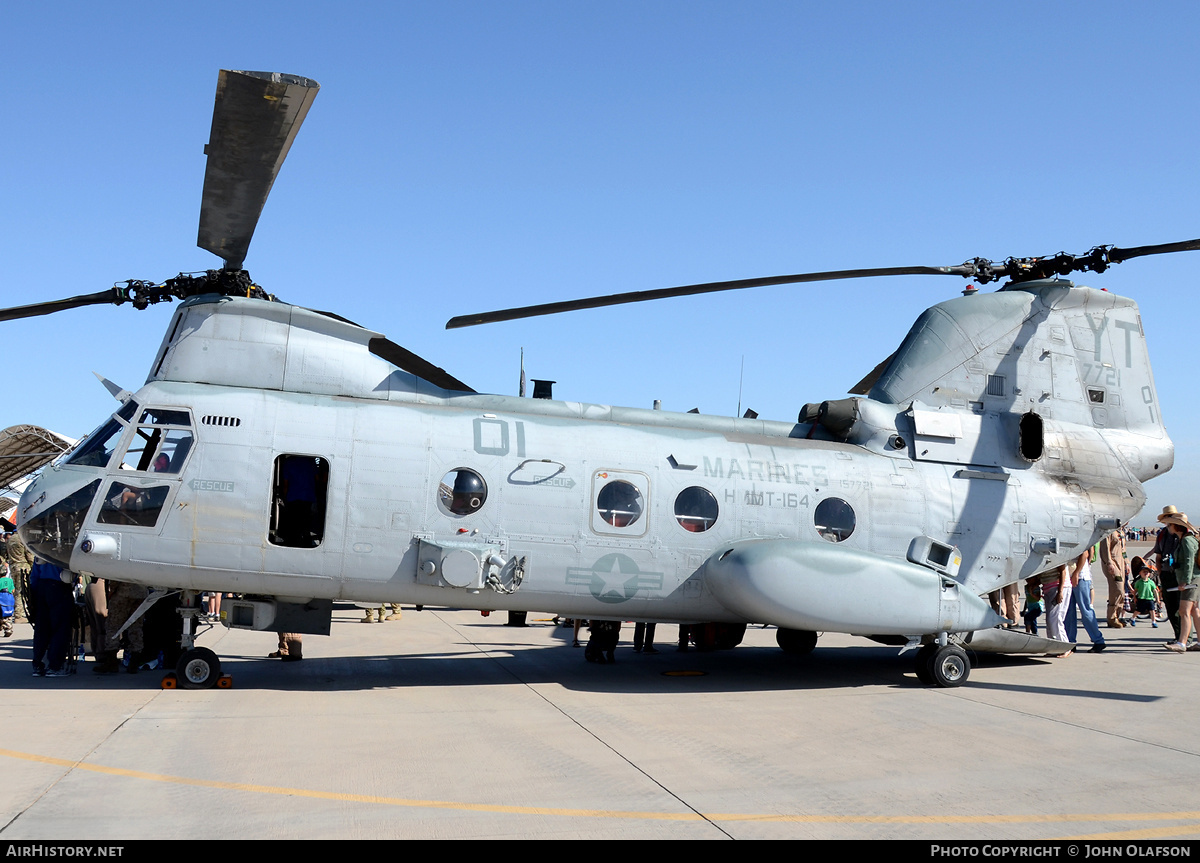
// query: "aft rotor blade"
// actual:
[[1116, 255], [31, 311], [688, 290], [255, 120]]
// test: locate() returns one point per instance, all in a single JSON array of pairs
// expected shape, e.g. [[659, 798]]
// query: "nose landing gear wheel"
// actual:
[[198, 668]]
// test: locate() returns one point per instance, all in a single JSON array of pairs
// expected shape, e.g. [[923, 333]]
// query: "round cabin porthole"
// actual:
[[619, 503], [834, 519], [461, 492], [696, 509]]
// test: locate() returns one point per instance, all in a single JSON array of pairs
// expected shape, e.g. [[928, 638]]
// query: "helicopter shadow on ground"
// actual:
[[744, 669], [999, 660], [504, 661]]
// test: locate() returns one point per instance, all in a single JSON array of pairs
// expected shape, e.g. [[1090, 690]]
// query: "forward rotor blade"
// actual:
[[688, 290], [32, 311], [405, 359], [255, 120]]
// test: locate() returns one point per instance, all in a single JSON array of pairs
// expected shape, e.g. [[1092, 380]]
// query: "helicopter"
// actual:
[[294, 458]]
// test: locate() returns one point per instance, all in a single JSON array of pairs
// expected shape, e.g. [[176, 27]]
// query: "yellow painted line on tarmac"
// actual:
[[1032, 818]]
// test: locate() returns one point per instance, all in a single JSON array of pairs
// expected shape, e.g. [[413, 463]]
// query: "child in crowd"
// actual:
[[1148, 594], [8, 604], [1034, 606]]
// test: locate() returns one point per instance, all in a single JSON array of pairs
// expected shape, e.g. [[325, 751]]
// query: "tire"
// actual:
[[198, 668], [924, 664], [798, 642], [950, 666]]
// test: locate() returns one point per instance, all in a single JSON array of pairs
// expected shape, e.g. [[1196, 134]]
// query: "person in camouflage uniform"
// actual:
[[20, 561], [123, 600]]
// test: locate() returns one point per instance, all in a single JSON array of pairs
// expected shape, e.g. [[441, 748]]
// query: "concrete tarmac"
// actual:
[[447, 724]]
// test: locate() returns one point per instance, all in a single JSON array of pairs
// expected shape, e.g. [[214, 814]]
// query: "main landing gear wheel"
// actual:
[[799, 642], [943, 666], [198, 668]]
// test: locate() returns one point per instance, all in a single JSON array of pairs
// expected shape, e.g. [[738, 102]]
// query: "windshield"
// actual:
[[96, 449]]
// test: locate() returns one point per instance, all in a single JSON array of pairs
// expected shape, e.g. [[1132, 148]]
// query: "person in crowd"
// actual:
[[1183, 565], [53, 606]]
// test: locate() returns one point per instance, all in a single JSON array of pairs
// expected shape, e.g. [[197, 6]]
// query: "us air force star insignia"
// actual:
[[615, 578]]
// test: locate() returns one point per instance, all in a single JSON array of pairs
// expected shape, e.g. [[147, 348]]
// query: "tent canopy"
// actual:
[[25, 448]]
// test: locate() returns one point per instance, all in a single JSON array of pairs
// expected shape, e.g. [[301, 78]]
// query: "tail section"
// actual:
[[1069, 354]]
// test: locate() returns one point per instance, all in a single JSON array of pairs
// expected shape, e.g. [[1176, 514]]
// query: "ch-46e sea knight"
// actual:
[[294, 458]]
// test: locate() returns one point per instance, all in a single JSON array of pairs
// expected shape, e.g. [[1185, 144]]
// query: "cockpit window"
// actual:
[[155, 447], [161, 417], [97, 448], [128, 505], [52, 534], [157, 450]]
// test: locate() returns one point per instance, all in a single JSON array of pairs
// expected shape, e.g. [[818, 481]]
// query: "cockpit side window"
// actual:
[[157, 448], [131, 506], [164, 417], [141, 448]]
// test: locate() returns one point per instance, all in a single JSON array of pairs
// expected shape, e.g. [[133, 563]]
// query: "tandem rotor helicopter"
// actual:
[[295, 458]]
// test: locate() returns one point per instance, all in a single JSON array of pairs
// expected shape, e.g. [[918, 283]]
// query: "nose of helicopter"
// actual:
[[52, 510]]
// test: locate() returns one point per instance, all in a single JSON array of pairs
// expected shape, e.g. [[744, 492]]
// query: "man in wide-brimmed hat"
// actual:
[[1183, 561]]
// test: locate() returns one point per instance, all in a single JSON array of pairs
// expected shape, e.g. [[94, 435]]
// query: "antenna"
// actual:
[[741, 375]]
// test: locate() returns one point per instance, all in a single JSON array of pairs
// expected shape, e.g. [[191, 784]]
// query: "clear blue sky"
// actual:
[[464, 156]]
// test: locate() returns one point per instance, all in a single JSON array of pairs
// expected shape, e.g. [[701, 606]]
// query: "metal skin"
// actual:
[[818, 587], [945, 448]]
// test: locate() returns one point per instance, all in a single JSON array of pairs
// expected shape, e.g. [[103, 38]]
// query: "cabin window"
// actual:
[[132, 506], [834, 519], [696, 509], [619, 503], [300, 487], [1031, 437], [461, 492]]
